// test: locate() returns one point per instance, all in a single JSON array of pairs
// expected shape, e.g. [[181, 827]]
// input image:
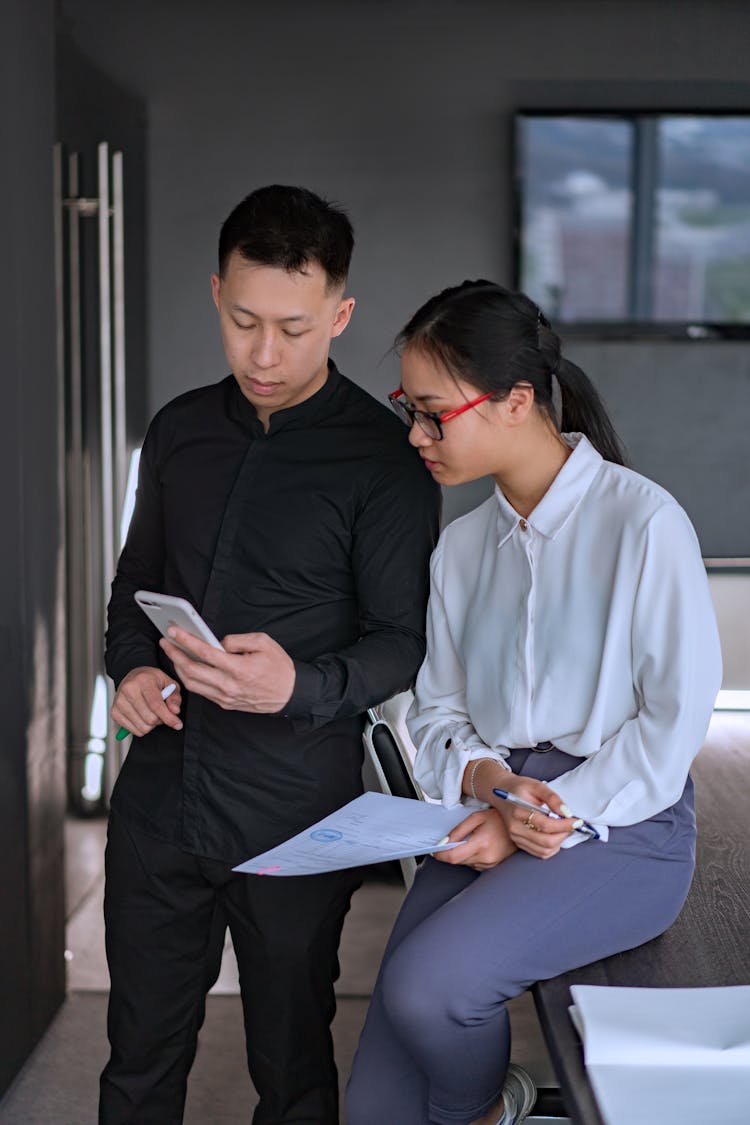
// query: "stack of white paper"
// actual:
[[373, 828], [661, 1055]]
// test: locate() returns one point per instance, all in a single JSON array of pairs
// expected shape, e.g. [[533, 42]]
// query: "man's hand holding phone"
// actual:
[[251, 672]]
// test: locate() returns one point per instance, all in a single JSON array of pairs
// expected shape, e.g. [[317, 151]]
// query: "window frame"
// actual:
[[642, 240]]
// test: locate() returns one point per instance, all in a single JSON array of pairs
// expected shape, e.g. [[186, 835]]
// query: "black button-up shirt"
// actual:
[[317, 532]]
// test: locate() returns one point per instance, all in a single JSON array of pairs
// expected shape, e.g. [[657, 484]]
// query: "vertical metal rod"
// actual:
[[105, 371], [61, 627], [74, 265], [80, 590], [118, 298], [57, 190], [105, 387]]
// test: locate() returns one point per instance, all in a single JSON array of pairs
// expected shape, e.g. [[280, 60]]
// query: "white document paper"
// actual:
[[371, 829], [656, 1055]]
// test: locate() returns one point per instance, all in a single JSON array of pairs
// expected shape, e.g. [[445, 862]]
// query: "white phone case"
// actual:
[[165, 610]]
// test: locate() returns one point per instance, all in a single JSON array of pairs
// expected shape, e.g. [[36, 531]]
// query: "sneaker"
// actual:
[[519, 1094]]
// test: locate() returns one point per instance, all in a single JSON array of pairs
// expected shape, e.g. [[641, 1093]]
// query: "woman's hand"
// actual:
[[535, 833], [486, 841]]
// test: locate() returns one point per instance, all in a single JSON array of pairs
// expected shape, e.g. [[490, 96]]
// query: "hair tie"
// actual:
[[555, 388]]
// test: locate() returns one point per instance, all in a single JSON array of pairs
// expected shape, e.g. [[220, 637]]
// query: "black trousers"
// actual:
[[166, 912]]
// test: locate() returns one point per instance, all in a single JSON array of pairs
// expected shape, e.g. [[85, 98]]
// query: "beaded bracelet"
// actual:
[[474, 769]]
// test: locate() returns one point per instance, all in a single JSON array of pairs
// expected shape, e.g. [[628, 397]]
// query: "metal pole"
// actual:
[[61, 620], [118, 297], [81, 593], [105, 371], [106, 423], [57, 189]]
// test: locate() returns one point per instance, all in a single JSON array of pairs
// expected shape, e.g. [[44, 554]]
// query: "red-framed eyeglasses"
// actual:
[[429, 421]]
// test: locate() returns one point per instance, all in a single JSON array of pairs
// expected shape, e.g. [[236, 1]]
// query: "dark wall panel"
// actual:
[[31, 686]]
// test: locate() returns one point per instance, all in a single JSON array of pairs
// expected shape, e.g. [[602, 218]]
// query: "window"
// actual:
[[635, 218]]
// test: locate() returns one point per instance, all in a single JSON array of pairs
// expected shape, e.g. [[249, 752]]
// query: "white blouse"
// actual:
[[589, 625]]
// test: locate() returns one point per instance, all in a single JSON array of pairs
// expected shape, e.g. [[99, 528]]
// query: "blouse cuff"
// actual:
[[477, 756], [440, 768], [576, 837]]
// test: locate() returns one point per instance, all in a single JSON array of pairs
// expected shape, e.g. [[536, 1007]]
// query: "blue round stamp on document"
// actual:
[[326, 834]]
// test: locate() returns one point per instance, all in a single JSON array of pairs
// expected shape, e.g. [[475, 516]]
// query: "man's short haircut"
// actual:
[[289, 227]]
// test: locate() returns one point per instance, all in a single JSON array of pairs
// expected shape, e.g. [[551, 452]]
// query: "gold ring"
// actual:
[[529, 821]]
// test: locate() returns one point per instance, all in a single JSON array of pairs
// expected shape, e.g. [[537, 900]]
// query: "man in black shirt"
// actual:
[[287, 506]]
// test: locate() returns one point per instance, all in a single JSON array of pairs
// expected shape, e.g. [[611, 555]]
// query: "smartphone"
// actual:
[[165, 610]]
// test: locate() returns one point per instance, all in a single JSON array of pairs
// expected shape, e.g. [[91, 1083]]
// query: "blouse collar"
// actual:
[[561, 498]]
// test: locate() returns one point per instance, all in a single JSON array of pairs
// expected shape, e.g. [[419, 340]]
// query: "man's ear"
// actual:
[[343, 315], [215, 287]]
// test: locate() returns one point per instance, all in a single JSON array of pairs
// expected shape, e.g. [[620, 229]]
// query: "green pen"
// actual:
[[123, 732]]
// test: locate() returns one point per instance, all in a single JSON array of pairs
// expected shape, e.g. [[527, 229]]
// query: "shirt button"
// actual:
[[523, 525], [448, 743]]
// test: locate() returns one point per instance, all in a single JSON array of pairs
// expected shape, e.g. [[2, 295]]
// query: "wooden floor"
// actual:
[[709, 944]]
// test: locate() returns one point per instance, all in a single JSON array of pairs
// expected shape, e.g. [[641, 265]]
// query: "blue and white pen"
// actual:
[[580, 826]]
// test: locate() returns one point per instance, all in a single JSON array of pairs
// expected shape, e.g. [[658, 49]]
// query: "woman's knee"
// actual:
[[417, 993]]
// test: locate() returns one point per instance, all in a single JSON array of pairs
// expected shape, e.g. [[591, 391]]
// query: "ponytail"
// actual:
[[583, 412]]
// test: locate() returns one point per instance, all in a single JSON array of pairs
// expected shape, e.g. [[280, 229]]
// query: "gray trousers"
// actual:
[[436, 1043]]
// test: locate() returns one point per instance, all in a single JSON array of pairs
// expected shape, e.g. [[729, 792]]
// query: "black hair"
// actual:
[[494, 338], [289, 227]]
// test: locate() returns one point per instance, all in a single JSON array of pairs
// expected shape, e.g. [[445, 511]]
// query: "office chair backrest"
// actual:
[[391, 752], [387, 755]]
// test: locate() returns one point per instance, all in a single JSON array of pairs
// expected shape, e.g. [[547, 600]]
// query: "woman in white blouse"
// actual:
[[572, 662]]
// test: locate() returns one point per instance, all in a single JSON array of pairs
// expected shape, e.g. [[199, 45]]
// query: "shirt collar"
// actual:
[[302, 414], [561, 498]]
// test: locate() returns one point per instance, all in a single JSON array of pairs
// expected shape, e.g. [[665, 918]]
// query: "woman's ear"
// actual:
[[519, 403]]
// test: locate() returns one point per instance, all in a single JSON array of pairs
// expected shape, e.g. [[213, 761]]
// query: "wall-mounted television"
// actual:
[[635, 220]]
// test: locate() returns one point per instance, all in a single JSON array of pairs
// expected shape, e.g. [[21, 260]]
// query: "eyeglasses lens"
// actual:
[[409, 416], [429, 426], [402, 411]]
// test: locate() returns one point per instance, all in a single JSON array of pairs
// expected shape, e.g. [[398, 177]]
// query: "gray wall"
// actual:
[[402, 111], [32, 968]]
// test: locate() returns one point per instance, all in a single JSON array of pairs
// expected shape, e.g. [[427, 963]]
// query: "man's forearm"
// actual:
[[340, 685]]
